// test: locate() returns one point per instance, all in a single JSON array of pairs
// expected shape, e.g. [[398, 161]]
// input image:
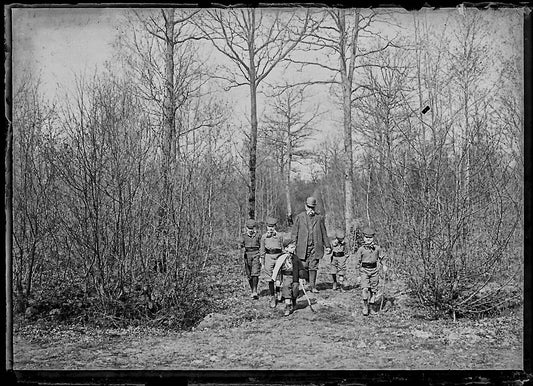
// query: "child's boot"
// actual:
[[365, 301], [334, 288], [272, 295], [251, 283], [255, 280], [288, 308], [341, 280], [312, 281], [372, 297], [365, 307]]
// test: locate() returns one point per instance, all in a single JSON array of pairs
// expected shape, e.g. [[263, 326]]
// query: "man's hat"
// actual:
[[369, 232], [311, 202], [339, 234], [250, 224], [271, 221]]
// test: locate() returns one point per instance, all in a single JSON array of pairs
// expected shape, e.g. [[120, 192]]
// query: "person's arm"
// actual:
[[346, 248], [325, 237], [294, 229], [381, 255]]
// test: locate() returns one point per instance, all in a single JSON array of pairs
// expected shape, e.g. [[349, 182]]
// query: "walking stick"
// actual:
[[307, 297], [383, 289]]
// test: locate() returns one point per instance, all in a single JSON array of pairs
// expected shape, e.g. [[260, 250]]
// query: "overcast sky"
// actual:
[[58, 43]]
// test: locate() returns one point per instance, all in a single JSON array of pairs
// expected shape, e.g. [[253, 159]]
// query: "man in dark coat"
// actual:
[[309, 233]]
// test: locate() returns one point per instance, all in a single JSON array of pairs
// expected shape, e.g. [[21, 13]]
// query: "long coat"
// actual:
[[319, 234]]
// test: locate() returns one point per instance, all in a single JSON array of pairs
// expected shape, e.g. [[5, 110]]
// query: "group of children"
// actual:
[[275, 253]]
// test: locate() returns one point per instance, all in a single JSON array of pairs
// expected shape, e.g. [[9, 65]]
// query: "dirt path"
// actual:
[[333, 337]]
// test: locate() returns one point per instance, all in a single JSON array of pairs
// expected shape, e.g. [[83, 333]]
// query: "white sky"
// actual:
[[59, 43]]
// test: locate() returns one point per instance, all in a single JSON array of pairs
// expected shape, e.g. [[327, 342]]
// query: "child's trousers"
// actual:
[[369, 280], [289, 290]]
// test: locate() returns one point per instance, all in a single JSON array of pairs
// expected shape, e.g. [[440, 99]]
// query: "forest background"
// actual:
[[144, 138]]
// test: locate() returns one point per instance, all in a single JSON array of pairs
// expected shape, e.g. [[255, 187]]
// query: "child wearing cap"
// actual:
[[286, 271], [250, 243], [271, 247], [368, 256], [339, 256]]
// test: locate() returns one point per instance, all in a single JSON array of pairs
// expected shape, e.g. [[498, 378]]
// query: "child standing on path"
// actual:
[[271, 247], [339, 256], [287, 270], [250, 243], [368, 256]]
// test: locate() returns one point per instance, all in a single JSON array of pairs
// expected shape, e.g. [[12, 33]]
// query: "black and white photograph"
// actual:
[[265, 188]]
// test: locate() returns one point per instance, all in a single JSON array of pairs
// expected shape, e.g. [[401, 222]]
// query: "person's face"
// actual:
[[368, 239], [311, 209], [340, 239], [250, 230], [271, 228], [291, 248]]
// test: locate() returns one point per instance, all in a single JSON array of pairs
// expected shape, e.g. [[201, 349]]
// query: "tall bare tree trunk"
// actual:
[[422, 135], [8, 267], [168, 136], [253, 149], [288, 175], [168, 103], [347, 71], [348, 166], [253, 118], [466, 182], [255, 59]]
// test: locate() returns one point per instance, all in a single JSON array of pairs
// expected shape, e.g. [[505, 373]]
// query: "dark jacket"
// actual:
[[301, 235], [246, 241]]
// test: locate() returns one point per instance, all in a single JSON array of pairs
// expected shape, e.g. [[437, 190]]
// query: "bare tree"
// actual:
[[256, 41], [329, 158], [468, 66], [382, 116], [425, 175], [285, 133], [340, 38], [100, 164], [159, 49], [34, 186]]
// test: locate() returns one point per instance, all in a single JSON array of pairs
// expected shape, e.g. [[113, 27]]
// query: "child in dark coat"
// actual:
[[287, 272]]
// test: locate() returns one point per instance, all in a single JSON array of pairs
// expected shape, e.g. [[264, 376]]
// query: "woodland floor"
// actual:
[[250, 335]]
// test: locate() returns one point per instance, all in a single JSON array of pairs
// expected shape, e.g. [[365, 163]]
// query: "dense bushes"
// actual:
[[97, 234]]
